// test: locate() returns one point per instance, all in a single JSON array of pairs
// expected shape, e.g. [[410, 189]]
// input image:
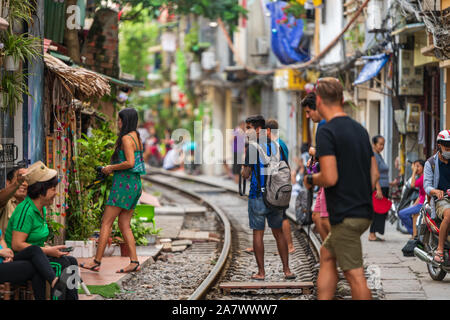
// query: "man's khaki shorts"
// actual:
[[441, 206], [344, 242]]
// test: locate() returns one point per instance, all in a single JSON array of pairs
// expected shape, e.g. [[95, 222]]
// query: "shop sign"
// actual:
[[288, 79]]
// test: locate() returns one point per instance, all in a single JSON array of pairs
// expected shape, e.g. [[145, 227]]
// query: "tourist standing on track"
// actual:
[[258, 212], [128, 165], [320, 213], [273, 135], [382, 189], [436, 183], [348, 171]]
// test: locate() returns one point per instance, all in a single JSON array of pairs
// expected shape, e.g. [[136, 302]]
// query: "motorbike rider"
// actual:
[[436, 183]]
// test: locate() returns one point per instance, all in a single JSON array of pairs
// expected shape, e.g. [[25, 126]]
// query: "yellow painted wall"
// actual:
[[420, 41], [445, 4]]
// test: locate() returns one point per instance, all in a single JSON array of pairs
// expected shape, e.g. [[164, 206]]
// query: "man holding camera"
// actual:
[[13, 194]]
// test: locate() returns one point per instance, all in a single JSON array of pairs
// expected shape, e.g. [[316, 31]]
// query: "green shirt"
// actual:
[[27, 219]]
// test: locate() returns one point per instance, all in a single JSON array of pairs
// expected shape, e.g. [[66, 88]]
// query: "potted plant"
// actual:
[[139, 231], [153, 235], [19, 47]]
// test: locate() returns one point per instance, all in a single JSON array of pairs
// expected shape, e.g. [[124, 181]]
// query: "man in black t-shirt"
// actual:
[[348, 174]]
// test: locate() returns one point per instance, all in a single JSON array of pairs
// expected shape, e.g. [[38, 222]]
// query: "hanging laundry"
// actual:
[[286, 40], [421, 134]]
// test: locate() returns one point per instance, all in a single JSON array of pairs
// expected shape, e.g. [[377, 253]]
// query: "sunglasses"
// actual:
[[324, 79]]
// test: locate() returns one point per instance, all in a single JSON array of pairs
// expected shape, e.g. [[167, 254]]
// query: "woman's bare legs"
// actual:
[[109, 216], [124, 226]]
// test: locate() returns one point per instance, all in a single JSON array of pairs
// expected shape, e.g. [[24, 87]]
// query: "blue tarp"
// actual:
[[372, 67], [285, 41]]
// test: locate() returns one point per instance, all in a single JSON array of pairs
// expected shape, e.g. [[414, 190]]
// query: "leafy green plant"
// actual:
[[139, 230], [54, 228], [227, 10], [12, 90], [86, 208], [21, 46], [20, 10]]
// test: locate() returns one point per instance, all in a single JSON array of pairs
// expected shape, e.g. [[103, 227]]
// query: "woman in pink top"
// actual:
[[409, 215]]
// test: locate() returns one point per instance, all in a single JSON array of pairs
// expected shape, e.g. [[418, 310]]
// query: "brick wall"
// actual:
[[101, 46]]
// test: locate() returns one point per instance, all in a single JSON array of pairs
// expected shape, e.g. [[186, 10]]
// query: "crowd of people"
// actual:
[[25, 253], [352, 183]]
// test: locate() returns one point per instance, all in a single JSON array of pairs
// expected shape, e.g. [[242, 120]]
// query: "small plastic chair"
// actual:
[[145, 212]]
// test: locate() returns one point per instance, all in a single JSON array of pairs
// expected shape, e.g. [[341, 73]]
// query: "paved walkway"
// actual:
[[402, 278], [110, 265]]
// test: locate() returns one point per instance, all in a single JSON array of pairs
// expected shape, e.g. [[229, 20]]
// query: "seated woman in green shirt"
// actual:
[[28, 224]]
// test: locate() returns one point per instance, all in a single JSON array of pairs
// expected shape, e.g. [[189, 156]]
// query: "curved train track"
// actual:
[[233, 265]]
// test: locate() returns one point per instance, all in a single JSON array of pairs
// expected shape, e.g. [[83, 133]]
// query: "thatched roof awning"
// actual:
[[80, 82]]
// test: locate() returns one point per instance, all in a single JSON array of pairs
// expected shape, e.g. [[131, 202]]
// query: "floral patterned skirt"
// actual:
[[126, 190]]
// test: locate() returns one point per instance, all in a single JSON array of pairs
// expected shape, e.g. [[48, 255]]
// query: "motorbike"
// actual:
[[407, 199], [428, 236]]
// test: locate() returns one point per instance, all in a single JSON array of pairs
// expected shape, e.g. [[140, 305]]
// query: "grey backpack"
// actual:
[[277, 187]]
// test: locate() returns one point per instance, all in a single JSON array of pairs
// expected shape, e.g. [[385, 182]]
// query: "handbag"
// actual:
[[139, 164], [381, 206]]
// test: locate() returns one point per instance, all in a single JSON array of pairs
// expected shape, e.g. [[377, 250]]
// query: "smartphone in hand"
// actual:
[[68, 249]]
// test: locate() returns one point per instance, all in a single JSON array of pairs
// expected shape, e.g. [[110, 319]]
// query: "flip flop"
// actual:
[[290, 277], [249, 250], [377, 239], [253, 277]]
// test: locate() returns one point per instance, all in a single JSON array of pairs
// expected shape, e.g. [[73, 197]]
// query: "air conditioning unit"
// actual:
[[209, 60], [412, 117], [262, 46], [410, 77]]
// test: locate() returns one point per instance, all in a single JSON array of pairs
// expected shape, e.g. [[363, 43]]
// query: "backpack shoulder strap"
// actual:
[[432, 162]]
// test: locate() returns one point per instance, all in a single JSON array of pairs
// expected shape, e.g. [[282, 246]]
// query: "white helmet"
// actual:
[[444, 135]]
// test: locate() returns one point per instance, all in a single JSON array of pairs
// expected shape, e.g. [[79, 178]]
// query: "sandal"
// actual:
[[95, 268], [132, 270], [439, 256]]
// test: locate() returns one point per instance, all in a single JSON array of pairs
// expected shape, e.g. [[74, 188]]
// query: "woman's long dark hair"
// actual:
[[129, 119]]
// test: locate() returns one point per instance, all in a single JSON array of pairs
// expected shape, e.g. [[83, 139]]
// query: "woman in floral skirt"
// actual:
[[127, 166]]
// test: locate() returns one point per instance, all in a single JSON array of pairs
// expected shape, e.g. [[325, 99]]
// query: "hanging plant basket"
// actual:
[[12, 63]]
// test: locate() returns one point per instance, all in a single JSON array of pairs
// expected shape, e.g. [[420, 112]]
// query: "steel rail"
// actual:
[[206, 284], [315, 241]]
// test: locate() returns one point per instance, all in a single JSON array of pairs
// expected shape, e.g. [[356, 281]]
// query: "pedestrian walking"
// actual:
[[382, 189], [348, 172], [258, 212], [320, 213], [128, 165], [238, 149]]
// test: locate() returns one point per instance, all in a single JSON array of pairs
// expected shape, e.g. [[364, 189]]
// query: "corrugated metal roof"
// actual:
[[54, 17]]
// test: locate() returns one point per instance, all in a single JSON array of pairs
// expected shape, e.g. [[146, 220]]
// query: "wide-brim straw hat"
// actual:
[[39, 172]]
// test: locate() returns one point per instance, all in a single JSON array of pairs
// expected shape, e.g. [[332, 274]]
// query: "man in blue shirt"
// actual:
[[320, 212], [258, 212], [273, 135]]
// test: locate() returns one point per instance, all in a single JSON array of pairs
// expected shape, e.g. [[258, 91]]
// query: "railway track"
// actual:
[[229, 278]]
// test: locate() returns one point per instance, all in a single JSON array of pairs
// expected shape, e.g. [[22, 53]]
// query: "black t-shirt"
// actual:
[[351, 197], [444, 176]]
